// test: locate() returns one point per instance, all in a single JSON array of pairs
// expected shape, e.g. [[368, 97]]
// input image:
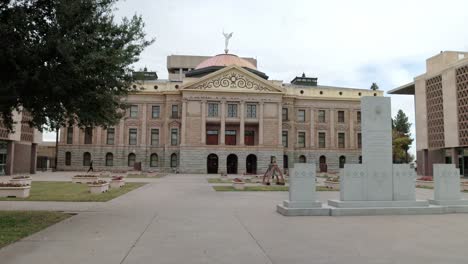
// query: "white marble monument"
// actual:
[[447, 186], [302, 194]]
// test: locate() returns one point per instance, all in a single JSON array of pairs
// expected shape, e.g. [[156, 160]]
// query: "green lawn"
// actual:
[[263, 188], [71, 192], [143, 176], [15, 225]]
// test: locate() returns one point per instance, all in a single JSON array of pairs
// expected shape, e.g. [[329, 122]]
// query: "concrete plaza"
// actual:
[[181, 219]]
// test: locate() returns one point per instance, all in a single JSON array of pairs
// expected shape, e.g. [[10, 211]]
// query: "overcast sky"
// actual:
[[343, 43]]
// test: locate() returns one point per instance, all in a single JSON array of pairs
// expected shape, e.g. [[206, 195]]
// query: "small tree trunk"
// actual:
[[56, 146]]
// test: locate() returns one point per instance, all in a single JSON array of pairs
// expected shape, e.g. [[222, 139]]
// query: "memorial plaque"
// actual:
[[353, 185], [447, 182], [302, 183], [404, 183]]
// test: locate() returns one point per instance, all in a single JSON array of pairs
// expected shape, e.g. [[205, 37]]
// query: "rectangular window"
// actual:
[[232, 110], [341, 117], [212, 137], [154, 137], [285, 114], [301, 139], [67, 158], [110, 136], [341, 140], [321, 116], [88, 136], [249, 137], [251, 111], [359, 116], [134, 111], [212, 109], [175, 111], [174, 137], [285, 139], [301, 116], [359, 140], [70, 135], [155, 111], [230, 137], [132, 136], [321, 140]]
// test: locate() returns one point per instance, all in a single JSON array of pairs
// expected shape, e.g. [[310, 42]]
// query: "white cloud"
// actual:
[[349, 43]]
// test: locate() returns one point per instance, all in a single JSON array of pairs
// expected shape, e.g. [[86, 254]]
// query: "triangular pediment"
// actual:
[[233, 79]]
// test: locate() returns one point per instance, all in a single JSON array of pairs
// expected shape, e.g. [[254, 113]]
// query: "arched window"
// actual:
[[285, 161], [154, 160], [173, 160], [109, 159], [302, 159], [342, 161], [131, 159], [86, 159], [68, 158]]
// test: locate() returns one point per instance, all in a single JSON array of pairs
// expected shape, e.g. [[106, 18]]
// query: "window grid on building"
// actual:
[[435, 112], [232, 110], [70, 135], [285, 139], [462, 98], [285, 114], [175, 111], [321, 116], [301, 139], [131, 160], [109, 159], [154, 137], [359, 140], [341, 140], [132, 136], [154, 160], [134, 111], [251, 111], [321, 138], [110, 140], [155, 111], [174, 137], [301, 116], [67, 158], [359, 116], [341, 118], [213, 110]]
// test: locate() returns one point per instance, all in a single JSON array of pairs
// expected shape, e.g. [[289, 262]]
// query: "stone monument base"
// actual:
[[368, 204], [295, 208], [449, 202], [422, 210]]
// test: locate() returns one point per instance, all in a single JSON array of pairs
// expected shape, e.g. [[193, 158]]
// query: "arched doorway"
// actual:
[[285, 161], [323, 164], [342, 161], [251, 164], [212, 163], [360, 159], [231, 164], [302, 159]]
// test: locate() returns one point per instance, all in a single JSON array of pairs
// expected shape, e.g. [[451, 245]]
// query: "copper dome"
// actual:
[[225, 60]]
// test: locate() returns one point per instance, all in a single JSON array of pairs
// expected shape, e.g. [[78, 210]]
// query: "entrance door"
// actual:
[[212, 163], [465, 166], [323, 164], [231, 163], [251, 164]]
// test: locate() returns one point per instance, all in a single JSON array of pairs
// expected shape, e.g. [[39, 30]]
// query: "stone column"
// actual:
[[242, 123], [143, 125], [183, 125], [260, 125], [121, 132], [280, 125], [10, 158], [312, 128], [223, 122], [76, 135], [352, 133], [98, 136], [203, 123], [32, 168], [332, 129]]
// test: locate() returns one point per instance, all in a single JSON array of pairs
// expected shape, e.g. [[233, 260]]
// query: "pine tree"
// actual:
[[374, 86], [401, 137]]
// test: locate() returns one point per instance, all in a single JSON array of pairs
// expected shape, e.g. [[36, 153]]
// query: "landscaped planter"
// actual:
[[23, 180], [84, 178], [105, 173], [238, 184], [425, 183], [332, 185], [14, 190], [98, 186], [117, 182]]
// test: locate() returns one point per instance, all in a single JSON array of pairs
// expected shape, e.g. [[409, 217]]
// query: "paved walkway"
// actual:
[[180, 219]]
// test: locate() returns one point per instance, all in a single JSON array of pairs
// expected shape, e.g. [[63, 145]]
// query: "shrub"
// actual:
[[4, 184], [117, 178], [21, 177], [237, 180], [97, 182], [425, 178]]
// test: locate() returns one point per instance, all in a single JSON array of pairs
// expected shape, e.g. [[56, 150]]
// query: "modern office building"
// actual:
[[441, 107]]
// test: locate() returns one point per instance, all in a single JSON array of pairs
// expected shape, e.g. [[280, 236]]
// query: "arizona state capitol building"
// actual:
[[222, 115]]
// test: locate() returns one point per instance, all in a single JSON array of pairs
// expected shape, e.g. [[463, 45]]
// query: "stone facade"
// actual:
[[233, 115]]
